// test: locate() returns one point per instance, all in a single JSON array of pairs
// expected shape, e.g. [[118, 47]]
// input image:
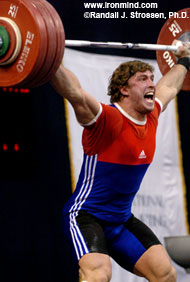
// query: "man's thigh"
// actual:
[[84, 234], [87, 243], [128, 244], [154, 264]]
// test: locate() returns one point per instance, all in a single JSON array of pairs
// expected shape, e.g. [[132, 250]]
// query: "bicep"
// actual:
[[165, 95], [86, 108]]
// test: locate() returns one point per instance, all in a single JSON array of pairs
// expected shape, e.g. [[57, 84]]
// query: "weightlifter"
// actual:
[[119, 144]]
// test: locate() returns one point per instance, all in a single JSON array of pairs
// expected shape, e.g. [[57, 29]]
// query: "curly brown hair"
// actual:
[[121, 76]]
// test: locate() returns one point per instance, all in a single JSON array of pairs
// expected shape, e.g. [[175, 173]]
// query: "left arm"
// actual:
[[170, 84]]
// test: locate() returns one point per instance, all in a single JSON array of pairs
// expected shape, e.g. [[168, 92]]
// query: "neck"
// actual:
[[131, 112]]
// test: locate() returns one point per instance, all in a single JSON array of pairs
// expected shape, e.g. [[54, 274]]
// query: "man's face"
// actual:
[[141, 92]]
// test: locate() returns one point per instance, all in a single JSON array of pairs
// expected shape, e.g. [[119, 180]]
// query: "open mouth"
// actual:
[[149, 96]]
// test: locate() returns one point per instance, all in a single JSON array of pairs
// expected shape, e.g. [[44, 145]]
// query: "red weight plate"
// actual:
[[59, 30], [174, 28], [51, 44], [32, 54], [43, 43], [12, 43]]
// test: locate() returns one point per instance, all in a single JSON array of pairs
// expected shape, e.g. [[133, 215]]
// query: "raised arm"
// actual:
[[170, 84], [68, 86]]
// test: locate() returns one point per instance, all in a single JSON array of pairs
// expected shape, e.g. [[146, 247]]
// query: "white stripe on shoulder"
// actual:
[[94, 119], [160, 103]]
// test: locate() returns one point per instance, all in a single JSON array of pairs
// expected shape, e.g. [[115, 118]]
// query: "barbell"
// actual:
[[32, 43]]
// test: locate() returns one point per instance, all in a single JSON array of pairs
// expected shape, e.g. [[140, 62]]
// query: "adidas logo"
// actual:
[[142, 155]]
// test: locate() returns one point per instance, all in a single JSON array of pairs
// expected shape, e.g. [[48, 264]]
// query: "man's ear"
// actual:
[[124, 91]]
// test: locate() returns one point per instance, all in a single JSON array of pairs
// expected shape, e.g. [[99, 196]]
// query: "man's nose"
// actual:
[[151, 83]]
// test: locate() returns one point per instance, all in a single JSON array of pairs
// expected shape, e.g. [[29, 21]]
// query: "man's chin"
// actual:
[[149, 108]]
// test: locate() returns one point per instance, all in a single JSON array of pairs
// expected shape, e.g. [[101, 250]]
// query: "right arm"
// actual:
[[68, 86]]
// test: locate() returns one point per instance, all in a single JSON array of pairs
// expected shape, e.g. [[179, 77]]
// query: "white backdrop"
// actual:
[[160, 201]]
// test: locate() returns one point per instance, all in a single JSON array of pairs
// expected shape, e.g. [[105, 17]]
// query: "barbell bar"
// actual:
[[119, 45], [1, 42], [32, 43]]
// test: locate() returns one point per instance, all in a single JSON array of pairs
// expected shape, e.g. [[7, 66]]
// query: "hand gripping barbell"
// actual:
[[32, 42]]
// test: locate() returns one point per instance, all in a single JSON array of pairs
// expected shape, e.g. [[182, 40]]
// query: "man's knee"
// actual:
[[168, 274], [99, 274], [103, 275], [95, 268], [174, 274]]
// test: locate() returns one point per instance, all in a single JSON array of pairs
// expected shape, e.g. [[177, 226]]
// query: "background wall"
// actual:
[[34, 159]]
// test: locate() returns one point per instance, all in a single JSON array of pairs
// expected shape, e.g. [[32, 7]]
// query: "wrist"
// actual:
[[185, 61]]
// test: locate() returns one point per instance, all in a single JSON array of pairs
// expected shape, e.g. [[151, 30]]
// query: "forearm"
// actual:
[[170, 84], [173, 79], [66, 84]]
